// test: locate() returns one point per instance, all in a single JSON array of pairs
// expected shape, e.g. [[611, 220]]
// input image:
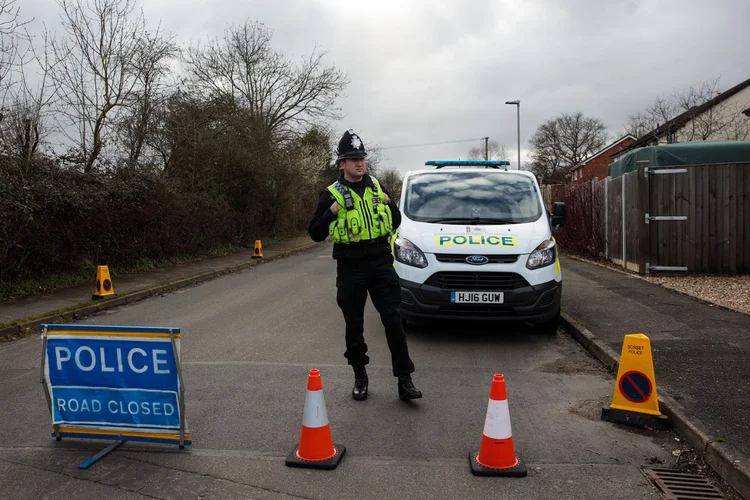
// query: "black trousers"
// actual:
[[355, 278]]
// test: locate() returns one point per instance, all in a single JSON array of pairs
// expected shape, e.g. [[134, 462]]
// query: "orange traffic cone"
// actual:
[[496, 455], [258, 251], [316, 449], [104, 286]]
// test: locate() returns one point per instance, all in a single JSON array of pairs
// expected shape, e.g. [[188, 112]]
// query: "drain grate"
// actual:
[[676, 484]]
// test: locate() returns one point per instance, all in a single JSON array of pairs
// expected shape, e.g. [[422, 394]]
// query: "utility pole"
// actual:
[[486, 148]]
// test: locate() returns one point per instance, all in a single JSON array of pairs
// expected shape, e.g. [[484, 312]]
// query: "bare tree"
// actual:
[[494, 150], [151, 63], [316, 157], [97, 66], [720, 121], [29, 105], [375, 159], [11, 32], [563, 142], [280, 95], [391, 180], [738, 124], [659, 112]]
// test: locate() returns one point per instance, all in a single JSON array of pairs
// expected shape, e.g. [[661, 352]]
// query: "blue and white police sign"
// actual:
[[115, 382]]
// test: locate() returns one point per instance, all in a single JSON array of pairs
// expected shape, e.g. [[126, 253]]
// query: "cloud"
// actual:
[[424, 72]]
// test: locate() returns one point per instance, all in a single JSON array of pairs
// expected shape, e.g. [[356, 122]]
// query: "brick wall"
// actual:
[[599, 166]]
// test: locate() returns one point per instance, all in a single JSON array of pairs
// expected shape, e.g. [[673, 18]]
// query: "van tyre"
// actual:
[[549, 327]]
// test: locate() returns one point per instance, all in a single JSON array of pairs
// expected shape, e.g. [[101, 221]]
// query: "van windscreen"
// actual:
[[472, 197]]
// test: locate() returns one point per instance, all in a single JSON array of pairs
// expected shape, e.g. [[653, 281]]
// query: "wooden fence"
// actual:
[[693, 218]]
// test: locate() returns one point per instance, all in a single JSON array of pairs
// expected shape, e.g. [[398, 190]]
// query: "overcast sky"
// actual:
[[436, 71]]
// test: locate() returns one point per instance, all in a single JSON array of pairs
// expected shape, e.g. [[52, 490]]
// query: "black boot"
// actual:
[[359, 392], [406, 389]]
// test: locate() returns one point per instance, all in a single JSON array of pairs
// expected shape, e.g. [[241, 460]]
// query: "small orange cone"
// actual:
[[316, 449], [496, 455], [258, 251], [104, 286]]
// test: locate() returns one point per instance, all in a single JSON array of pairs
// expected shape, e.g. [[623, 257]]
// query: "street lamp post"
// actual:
[[518, 117]]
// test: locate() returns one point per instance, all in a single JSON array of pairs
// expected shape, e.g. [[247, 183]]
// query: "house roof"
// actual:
[[681, 119], [600, 152]]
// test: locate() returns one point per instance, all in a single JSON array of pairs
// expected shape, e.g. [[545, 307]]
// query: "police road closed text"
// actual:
[[124, 382], [87, 360], [122, 406]]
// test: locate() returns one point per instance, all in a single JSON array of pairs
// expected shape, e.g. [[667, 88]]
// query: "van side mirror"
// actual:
[[559, 214]]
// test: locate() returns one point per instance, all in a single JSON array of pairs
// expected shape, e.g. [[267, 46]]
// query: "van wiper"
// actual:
[[474, 220]]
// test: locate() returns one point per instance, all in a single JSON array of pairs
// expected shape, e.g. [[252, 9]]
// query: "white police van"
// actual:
[[475, 242]]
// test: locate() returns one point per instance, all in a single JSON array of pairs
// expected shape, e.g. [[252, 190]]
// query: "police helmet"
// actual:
[[350, 146]]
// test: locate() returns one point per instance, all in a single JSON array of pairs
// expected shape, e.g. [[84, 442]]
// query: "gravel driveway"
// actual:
[[727, 291]]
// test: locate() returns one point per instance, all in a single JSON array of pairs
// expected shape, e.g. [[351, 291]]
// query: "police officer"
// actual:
[[359, 216]]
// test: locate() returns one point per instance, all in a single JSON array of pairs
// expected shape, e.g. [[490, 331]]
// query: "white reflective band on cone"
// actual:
[[497, 422], [315, 410]]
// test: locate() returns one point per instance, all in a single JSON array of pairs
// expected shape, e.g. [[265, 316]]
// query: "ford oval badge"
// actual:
[[477, 260]]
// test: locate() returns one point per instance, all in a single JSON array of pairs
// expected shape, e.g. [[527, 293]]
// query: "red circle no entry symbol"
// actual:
[[635, 386]]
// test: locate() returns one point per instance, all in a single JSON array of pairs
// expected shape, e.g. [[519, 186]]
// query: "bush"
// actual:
[[583, 231], [54, 220]]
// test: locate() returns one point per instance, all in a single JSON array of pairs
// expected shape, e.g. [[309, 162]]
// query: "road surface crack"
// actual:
[[70, 476], [210, 476]]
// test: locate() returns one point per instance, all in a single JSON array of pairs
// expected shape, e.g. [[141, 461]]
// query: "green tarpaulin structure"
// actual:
[[683, 153]]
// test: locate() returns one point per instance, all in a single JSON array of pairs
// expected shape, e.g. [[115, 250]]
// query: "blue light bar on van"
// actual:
[[465, 163]]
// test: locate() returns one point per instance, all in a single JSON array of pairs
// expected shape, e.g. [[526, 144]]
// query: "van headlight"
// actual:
[[408, 253], [544, 255]]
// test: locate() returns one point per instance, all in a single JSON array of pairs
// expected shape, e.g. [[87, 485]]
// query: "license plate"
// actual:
[[477, 297]]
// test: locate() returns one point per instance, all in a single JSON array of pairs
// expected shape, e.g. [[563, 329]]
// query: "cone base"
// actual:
[[100, 297], [635, 419], [518, 470], [294, 461]]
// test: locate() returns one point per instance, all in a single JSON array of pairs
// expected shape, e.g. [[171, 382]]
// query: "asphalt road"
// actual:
[[249, 340]]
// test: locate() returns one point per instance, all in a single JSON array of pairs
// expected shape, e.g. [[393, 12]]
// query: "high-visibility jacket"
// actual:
[[360, 218]]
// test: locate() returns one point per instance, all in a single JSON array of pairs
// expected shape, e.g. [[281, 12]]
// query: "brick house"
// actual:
[[596, 165]]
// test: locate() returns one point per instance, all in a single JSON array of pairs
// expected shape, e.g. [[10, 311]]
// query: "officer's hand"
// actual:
[[335, 208], [387, 199]]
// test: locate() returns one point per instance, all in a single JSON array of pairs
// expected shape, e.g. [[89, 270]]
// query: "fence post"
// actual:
[[596, 217], [644, 209], [624, 226], [606, 217]]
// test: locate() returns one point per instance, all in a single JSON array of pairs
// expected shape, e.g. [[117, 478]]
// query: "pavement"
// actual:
[[71, 303], [700, 351], [700, 354]]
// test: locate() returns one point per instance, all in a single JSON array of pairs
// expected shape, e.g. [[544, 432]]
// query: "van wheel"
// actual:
[[549, 327]]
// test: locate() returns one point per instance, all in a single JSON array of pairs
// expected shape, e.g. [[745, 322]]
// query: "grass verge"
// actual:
[[59, 281]]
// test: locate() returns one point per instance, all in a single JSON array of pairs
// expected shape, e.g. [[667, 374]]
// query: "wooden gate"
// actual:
[[665, 218]]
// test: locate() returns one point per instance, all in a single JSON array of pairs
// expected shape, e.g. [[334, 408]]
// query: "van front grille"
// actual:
[[478, 310], [464, 280], [456, 258]]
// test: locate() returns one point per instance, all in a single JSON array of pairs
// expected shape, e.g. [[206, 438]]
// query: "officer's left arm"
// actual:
[[395, 212]]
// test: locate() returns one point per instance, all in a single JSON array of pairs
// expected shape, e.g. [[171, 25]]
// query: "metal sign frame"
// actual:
[[184, 435]]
